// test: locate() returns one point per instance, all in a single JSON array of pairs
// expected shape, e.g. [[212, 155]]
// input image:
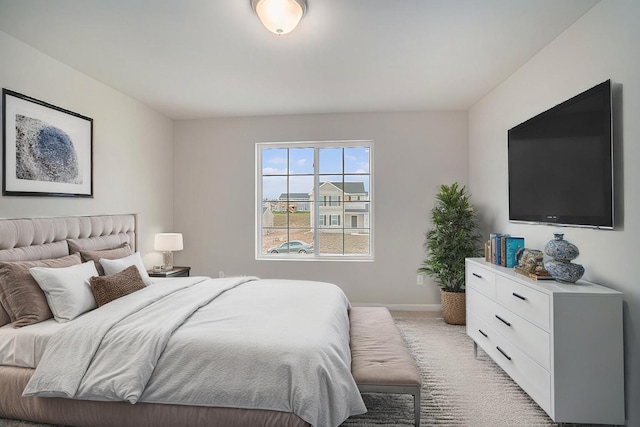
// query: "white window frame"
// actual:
[[316, 256]]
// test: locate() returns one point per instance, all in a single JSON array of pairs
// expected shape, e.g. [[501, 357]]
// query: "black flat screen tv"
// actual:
[[561, 163]]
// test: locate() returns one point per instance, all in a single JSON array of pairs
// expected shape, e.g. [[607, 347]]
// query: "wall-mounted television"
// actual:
[[561, 163]]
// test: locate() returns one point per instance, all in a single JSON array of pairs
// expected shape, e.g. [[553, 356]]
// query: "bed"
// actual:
[[235, 351]]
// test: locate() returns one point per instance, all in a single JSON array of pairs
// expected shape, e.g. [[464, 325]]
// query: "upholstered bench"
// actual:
[[380, 359]]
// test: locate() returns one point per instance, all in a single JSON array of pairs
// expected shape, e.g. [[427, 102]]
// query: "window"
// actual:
[[316, 194], [331, 200]]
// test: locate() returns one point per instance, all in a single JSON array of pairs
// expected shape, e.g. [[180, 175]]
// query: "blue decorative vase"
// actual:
[[560, 266], [560, 249], [564, 271]]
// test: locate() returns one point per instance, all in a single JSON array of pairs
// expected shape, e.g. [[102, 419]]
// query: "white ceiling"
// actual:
[[213, 58]]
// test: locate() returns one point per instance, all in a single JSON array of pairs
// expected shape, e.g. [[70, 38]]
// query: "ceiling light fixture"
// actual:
[[279, 16]]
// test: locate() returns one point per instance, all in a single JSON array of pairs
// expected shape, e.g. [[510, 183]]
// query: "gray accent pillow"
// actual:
[[21, 296]]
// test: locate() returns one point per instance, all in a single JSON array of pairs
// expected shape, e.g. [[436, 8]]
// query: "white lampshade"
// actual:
[[168, 242], [280, 16]]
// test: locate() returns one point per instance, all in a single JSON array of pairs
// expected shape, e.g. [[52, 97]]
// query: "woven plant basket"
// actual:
[[454, 308]]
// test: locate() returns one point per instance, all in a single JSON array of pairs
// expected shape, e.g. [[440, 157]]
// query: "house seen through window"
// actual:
[[314, 200]]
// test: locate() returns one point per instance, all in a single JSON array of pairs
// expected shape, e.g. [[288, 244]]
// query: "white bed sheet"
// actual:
[[24, 346]]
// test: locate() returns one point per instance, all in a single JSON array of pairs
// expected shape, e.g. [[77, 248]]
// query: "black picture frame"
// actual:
[[46, 150]]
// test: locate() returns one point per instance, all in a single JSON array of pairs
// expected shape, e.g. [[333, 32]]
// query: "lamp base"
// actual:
[[167, 259]]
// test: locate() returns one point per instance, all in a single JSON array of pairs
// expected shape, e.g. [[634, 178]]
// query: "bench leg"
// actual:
[[416, 407]]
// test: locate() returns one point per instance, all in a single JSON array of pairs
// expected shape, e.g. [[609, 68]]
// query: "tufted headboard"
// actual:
[[32, 239]]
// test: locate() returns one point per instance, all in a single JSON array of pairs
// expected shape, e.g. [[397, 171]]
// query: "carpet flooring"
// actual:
[[457, 389]]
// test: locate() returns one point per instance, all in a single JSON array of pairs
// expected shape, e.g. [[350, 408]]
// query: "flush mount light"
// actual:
[[279, 16]]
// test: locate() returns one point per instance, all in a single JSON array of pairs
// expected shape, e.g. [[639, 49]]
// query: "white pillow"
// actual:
[[113, 266], [67, 289]]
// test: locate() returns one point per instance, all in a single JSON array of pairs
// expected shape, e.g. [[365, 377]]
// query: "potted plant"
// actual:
[[453, 237]]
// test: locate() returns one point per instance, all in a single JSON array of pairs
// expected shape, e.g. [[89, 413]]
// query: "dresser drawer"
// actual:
[[533, 378], [528, 303], [529, 338], [479, 331], [481, 279]]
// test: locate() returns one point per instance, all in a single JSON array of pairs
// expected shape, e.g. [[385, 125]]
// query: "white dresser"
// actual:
[[562, 343]]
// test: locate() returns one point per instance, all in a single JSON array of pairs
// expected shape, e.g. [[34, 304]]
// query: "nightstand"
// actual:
[[176, 272]]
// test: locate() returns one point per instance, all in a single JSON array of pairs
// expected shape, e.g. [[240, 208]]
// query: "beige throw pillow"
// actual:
[[21, 296], [108, 288], [4, 316], [121, 251]]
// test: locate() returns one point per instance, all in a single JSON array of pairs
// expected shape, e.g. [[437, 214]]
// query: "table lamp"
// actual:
[[167, 243]]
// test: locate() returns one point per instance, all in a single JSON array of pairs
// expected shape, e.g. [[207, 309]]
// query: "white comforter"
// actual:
[[238, 342]]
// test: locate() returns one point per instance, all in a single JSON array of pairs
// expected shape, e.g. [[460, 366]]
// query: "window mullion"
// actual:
[[344, 191], [288, 199], [316, 198]]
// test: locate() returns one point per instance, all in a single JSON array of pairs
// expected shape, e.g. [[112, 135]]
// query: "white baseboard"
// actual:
[[402, 307]]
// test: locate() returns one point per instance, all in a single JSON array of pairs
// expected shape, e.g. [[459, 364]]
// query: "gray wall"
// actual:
[[215, 194], [132, 144], [602, 45]]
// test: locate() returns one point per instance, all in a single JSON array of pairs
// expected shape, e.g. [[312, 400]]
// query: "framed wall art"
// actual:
[[46, 150]]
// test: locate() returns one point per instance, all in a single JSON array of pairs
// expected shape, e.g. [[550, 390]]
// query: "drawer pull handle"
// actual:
[[483, 334], [519, 296], [477, 275], [503, 353], [502, 320]]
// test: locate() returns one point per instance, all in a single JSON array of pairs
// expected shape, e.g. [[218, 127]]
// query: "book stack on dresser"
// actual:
[[503, 249]]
